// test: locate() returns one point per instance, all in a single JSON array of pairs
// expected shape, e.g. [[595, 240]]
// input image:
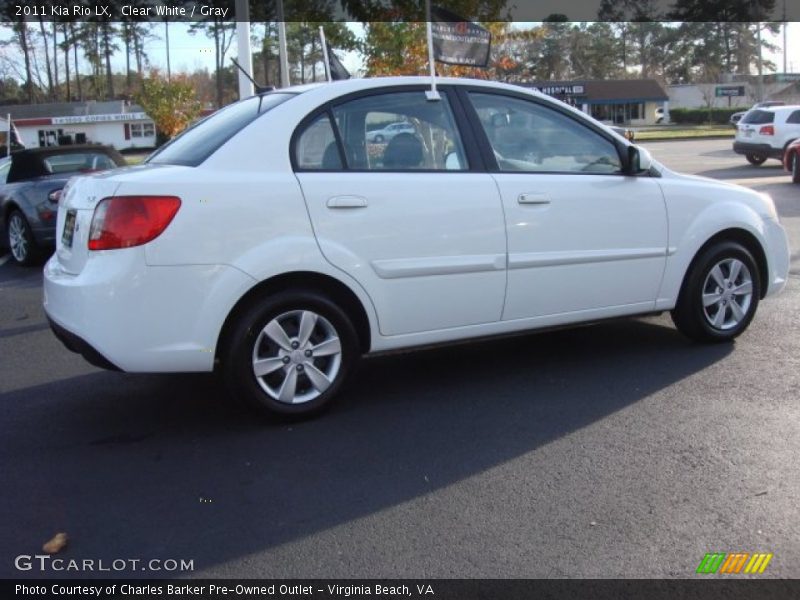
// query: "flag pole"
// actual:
[[431, 94], [325, 54]]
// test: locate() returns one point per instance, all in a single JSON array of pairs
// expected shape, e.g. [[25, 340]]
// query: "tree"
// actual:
[[221, 31], [171, 104]]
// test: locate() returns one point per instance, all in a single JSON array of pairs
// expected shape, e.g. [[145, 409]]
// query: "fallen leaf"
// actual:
[[56, 544]]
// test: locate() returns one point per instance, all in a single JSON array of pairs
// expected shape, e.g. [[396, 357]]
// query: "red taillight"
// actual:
[[767, 130], [125, 221]]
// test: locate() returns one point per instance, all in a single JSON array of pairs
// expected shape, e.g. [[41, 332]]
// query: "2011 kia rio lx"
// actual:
[[276, 242]]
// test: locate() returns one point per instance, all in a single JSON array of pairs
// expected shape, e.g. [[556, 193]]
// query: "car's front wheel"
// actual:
[[756, 159], [290, 354], [20, 239], [720, 294]]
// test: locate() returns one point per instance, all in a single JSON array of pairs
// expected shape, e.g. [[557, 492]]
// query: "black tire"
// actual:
[[756, 159], [246, 342], [695, 320], [378, 139], [20, 240], [795, 168]]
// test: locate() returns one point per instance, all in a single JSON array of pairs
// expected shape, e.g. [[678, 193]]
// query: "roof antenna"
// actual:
[[260, 89]]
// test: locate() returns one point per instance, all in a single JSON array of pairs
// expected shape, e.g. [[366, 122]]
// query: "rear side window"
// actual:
[[200, 141], [759, 117], [316, 148]]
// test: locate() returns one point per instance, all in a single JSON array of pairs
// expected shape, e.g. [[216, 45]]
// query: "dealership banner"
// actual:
[[457, 41]]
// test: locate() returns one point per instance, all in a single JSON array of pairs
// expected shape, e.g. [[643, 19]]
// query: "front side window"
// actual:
[[400, 131], [794, 117], [526, 136]]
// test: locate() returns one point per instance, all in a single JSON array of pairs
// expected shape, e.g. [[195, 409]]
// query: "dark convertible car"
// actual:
[[30, 185]]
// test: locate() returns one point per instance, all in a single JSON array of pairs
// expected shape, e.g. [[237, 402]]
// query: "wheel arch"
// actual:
[[310, 281], [746, 239]]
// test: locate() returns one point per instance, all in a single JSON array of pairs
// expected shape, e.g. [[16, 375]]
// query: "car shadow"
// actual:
[[159, 466], [770, 169]]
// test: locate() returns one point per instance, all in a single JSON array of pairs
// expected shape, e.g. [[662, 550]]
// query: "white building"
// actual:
[[116, 123], [737, 93]]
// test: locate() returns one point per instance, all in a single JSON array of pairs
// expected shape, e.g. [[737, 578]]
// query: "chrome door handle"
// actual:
[[347, 202], [533, 198]]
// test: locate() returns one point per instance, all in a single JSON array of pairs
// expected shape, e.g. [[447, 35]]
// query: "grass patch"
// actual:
[[679, 133], [136, 158]]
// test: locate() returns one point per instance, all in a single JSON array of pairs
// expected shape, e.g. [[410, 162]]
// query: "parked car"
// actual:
[[766, 132], [236, 248], [791, 160], [737, 116], [30, 184], [384, 134]]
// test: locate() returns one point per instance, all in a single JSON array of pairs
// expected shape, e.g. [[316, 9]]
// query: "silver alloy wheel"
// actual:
[[17, 239], [297, 356], [727, 294]]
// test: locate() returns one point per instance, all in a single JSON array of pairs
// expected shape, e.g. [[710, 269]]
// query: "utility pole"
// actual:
[[243, 45], [282, 52], [784, 37]]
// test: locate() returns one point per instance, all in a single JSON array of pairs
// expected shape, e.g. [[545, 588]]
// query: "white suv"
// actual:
[[766, 132], [273, 243]]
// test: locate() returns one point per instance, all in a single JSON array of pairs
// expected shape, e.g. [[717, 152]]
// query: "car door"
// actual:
[[583, 238], [413, 219]]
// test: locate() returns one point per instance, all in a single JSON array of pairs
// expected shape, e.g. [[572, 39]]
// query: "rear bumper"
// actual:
[[118, 312], [77, 344], [757, 149]]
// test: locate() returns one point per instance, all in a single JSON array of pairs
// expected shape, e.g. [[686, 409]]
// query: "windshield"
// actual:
[[201, 140]]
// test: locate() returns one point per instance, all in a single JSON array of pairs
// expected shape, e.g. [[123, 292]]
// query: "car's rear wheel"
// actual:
[[290, 354], [20, 239], [720, 294], [795, 168], [756, 159]]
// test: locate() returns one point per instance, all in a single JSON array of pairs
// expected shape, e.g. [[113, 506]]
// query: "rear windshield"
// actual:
[[73, 161], [759, 117], [201, 140]]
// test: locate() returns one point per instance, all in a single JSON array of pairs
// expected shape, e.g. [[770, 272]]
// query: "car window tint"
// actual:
[[794, 117], [758, 117], [400, 131], [199, 142], [526, 136], [316, 147]]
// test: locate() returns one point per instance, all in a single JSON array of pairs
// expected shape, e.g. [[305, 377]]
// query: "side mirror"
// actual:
[[639, 160]]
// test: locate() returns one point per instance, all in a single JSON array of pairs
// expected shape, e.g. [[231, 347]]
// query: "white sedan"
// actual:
[[273, 243]]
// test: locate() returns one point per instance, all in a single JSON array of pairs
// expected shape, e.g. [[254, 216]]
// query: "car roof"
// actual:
[[338, 88], [778, 109]]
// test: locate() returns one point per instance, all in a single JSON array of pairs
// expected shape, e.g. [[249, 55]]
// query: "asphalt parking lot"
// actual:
[[616, 450]]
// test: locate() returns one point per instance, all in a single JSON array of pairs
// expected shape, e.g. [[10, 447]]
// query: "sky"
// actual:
[[190, 52]]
